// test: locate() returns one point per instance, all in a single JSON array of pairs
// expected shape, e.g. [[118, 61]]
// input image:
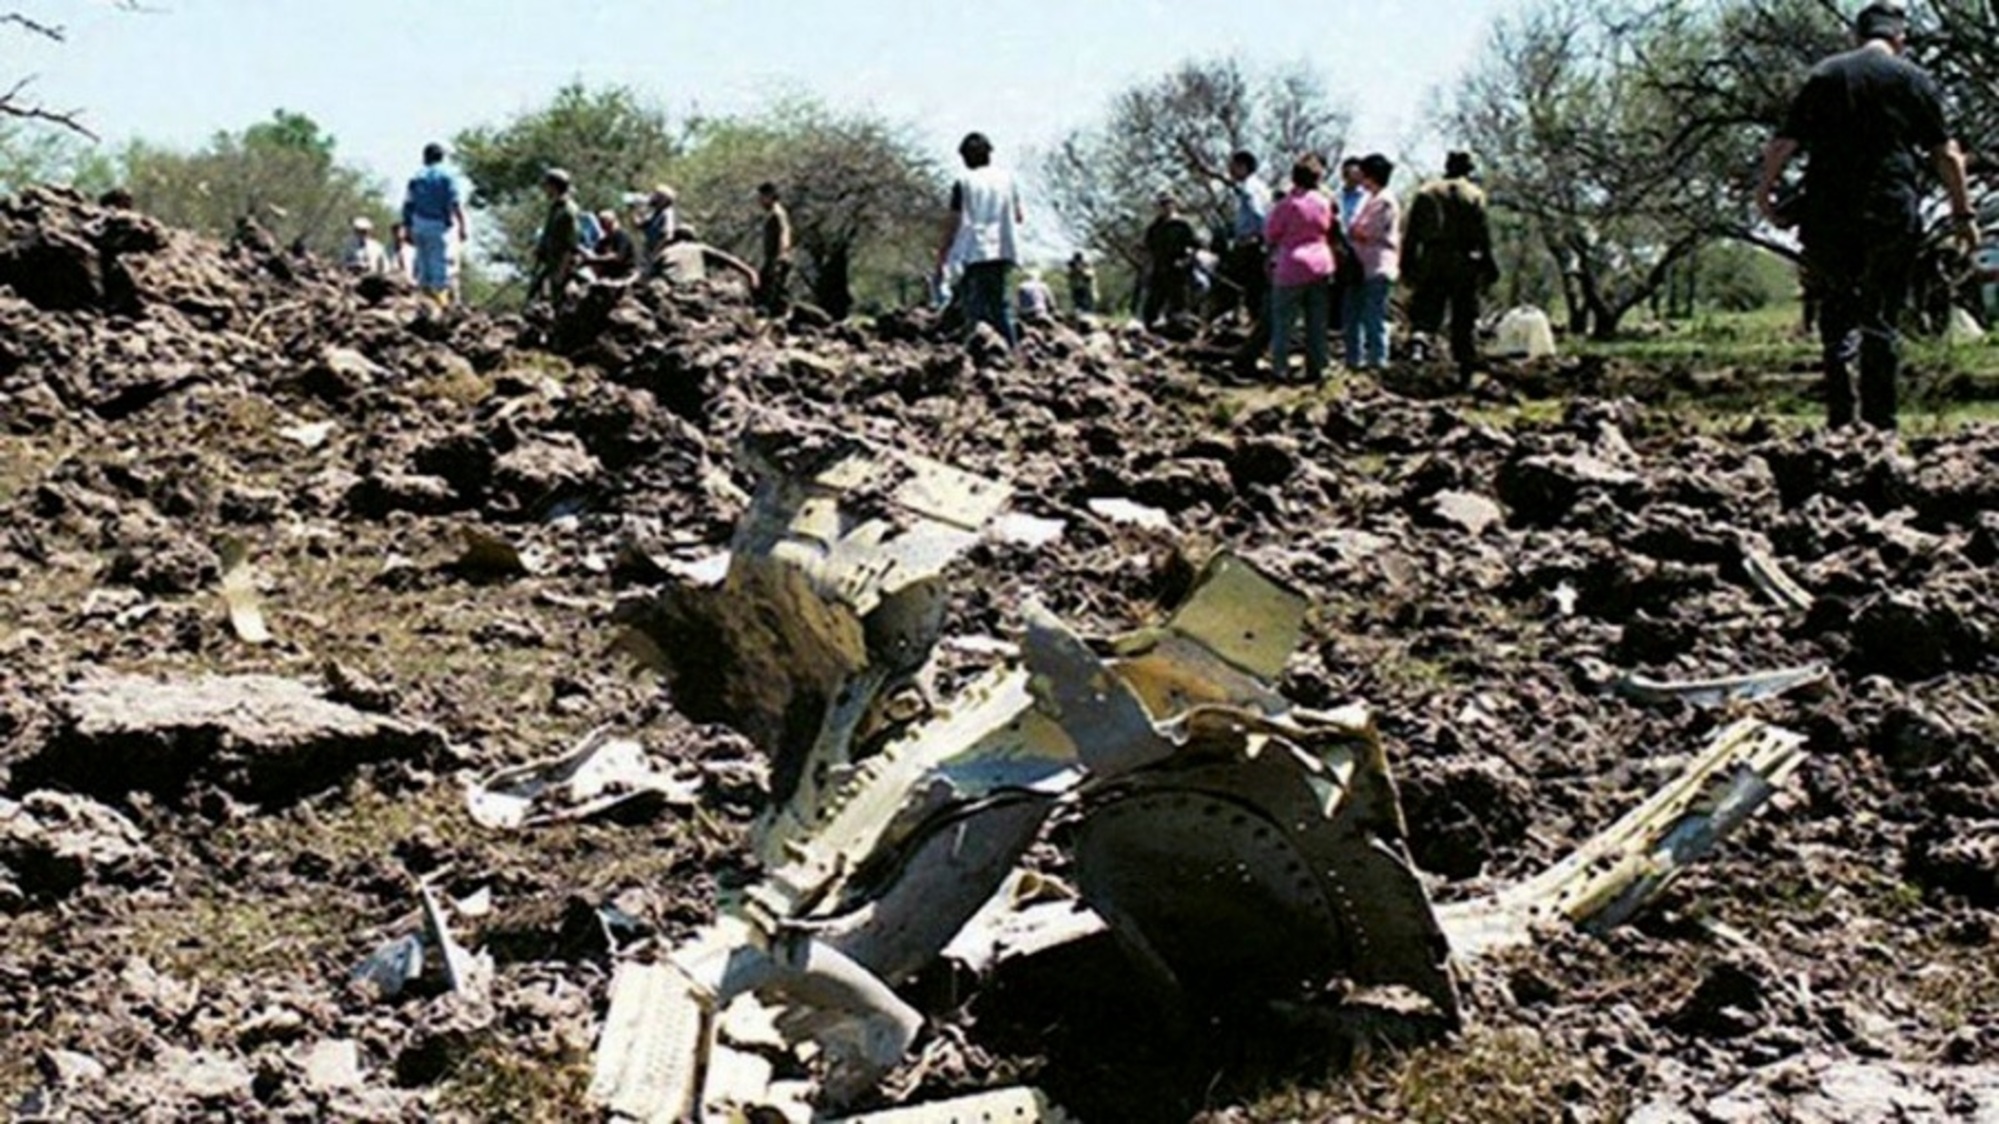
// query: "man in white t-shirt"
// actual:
[[980, 237]]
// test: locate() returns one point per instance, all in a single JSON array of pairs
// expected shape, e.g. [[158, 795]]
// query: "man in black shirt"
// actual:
[[1866, 119], [1170, 243]]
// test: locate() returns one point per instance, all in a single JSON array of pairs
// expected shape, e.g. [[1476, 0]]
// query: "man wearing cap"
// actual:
[[363, 252], [1447, 260], [556, 249], [981, 235], [432, 207], [1865, 119], [1170, 243]]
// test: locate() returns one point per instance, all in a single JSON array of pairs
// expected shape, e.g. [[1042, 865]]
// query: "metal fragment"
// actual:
[[1769, 577], [654, 1041], [1612, 875], [239, 593], [1723, 690], [603, 774], [997, 1106]]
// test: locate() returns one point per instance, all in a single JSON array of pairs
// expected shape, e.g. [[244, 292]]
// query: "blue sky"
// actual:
[[384, 76]]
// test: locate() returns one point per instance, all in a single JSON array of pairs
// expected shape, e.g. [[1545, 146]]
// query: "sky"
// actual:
[[385, 76]]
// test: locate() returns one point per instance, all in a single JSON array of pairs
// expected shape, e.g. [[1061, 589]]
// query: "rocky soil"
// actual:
[[440, 515]]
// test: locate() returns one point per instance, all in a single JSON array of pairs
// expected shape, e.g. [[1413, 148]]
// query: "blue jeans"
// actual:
[[1285, 302], [433, 260], [1366, 320], [984, 292]]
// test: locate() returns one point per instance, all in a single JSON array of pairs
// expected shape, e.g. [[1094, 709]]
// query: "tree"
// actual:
[[1176, 134], [611, 141], [283, 173], [33, 153], [1569, 111], [865, 202]]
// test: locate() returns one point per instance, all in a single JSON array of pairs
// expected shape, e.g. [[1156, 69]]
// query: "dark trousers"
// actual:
[[1247, 269], [984, 289], [1428, 302], [1168, 292], [772, 282], [1861, 278]]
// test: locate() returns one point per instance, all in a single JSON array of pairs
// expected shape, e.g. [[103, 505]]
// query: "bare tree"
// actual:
[[1176, 134], [16, 100], [1568, 109]]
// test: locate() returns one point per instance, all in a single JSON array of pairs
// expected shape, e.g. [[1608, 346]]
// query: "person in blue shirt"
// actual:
[[432, 208], [589, 232]]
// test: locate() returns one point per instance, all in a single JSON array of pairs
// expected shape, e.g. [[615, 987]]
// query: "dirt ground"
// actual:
[[1480, 566]]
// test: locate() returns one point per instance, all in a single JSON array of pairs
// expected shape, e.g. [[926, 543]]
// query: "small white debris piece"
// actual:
[[1132, 514], [603, 773], [309, 434], [1018, 528], [332, 1065]]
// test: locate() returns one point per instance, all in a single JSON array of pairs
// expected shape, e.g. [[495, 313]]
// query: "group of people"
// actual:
[[571, 244], [1333, 254], [574, 243], [1329, 255]]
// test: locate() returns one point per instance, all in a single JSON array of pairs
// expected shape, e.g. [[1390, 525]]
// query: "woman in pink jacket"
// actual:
[[1378, 247], [1299, 233]]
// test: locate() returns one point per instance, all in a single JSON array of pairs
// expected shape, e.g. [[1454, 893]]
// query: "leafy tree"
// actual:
[[865, 202], [283, 173], [611, 141], [1176, 134], [31, 154]]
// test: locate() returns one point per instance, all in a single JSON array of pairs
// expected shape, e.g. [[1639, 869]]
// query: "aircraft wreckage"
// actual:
[[1233, 843]]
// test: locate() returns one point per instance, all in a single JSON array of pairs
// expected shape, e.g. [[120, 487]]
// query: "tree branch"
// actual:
[[33, 27]]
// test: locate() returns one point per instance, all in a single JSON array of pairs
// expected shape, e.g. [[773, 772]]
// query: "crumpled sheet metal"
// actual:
[[602, 774], [1607, 879], [833, 595]]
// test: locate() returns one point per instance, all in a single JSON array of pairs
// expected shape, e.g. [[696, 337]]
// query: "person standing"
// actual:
[[656, 227], [1035, 301], [1865, 120], [1375, 232], [404, 251], [364, 253], [981, 236], [432, 208], [1447, 260], [1170, 244], [1082, 285], [775, 274], [616, 257], [1353, 190], [1299, 232], [556, 250], [1245, 265]]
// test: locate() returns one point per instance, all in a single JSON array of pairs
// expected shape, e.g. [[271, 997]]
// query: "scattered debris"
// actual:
[[54, 843], [1132, 514], [603, 775], [487, 555], [1243, 850]]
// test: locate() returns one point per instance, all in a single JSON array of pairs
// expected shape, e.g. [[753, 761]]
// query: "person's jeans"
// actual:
[[433, 257], [1366, 322], [1861, 275], [1286, 301], [984, 291]]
